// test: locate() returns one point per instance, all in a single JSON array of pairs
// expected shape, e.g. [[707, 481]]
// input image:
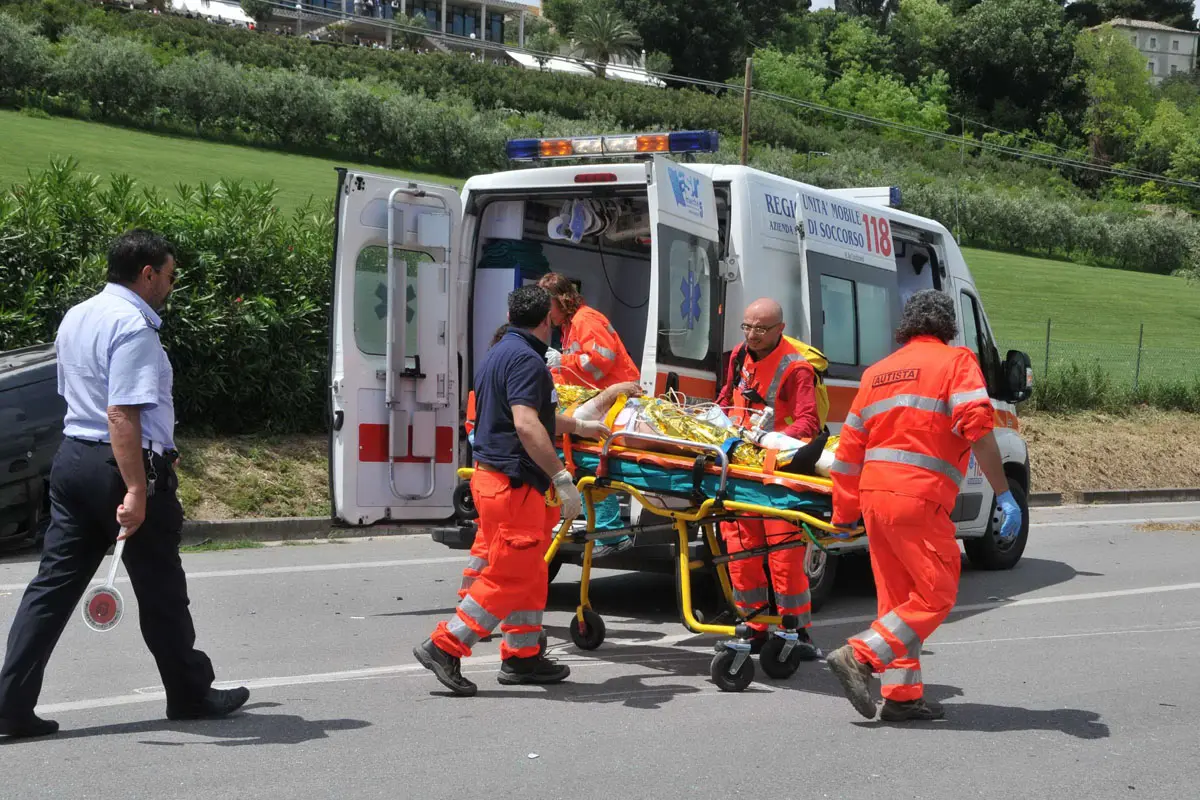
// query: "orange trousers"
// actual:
[[916, 561], [749, 579], [505, 582]]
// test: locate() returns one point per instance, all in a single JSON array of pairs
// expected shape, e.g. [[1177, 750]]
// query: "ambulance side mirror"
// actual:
[[1018, 376]]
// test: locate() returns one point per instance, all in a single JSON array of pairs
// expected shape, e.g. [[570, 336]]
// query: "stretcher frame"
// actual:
[[732, 669]]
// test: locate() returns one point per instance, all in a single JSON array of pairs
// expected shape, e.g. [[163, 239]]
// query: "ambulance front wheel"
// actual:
[[592, 634], [990, 552], [728, 681]]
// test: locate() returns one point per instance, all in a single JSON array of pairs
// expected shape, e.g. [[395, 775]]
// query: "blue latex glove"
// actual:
[[1011, 526]]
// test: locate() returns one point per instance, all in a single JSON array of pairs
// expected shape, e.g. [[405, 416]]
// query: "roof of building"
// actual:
[[1125, 22]]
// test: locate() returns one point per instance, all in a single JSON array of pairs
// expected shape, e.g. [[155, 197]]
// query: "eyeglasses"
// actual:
[[759, 329]]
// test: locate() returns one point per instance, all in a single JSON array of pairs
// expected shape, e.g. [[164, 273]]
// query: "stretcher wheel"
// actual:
[[719, 672], [463, 502], [770, 659], [592, 635]]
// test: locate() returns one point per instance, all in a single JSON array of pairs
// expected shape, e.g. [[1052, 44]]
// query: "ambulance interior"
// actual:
[[601, 242]]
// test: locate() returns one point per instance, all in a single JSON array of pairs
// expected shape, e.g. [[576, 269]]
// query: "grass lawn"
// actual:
[[1086, 304], [164, 161]]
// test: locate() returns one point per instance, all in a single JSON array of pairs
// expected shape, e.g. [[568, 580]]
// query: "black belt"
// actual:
[[170, 456]]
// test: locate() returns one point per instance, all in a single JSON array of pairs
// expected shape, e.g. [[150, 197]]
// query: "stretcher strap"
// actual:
[[568, 454], [769, 458]]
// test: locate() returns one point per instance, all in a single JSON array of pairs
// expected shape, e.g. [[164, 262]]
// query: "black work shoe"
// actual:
[[919, 710], [536, 669], [855, 678], [216, 703], [446, 667], [25, 727], [806, 647]]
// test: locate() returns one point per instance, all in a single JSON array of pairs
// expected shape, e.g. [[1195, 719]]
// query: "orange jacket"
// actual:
[[784, 380], [592, 353], [911, 426]]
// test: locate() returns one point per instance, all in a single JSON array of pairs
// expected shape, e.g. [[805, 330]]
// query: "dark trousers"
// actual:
[[85, 489]]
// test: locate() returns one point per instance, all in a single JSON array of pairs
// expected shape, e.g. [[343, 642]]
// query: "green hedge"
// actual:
[[1074, 387], [246, 327]]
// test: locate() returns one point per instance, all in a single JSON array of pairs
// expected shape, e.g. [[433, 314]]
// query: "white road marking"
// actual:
[[476, 664]]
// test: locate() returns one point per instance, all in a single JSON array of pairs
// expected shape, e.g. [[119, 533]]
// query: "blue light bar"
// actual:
[[894, 197], [693, 142], [522, 149]]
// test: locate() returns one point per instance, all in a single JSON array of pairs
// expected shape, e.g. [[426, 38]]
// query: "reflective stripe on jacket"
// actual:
[[911, 426]]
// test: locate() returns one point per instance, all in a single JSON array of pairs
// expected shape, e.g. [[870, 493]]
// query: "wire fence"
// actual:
[[1128, 363]]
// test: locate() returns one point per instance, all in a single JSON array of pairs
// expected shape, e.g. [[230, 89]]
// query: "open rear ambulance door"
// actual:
[[393, 373], [683, 329]]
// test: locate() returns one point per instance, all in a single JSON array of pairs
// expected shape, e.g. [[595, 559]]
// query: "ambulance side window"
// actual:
[[854, 324], [370, 299], [979, 341]]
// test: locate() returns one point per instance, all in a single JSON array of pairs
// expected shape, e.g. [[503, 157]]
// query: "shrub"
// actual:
[[246, 326]]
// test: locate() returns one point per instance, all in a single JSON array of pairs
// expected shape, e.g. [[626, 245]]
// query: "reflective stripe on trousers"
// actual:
[[475, 565], [522, 629], [899, 629], [751, 598], [903, 683]]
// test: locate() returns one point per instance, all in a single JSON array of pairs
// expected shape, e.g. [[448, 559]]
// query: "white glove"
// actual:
[[591, 429], [553, 358], [568, 495]]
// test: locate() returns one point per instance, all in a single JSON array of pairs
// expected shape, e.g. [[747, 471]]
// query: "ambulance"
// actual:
[[671, 251]]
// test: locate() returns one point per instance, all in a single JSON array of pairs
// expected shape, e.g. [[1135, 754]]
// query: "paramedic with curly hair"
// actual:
[[592, 355], [918, 415]]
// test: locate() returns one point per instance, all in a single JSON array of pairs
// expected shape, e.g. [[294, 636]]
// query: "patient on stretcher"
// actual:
[[623, 409]]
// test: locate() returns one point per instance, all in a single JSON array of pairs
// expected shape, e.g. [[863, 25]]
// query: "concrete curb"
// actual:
[[283, 529], [1101, 496], [1045, 499]]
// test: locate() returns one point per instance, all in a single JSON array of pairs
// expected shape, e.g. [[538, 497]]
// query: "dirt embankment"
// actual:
[[1146, 450]]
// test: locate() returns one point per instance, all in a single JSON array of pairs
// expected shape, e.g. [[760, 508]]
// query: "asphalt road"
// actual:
[[1071, 676]]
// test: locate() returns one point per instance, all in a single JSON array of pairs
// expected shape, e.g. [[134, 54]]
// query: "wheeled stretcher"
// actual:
[[695, 486]]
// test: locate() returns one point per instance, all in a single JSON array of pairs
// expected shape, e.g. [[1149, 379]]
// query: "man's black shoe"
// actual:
[[446, 667], [216, 703], [535, 670], [807, 647], [26, 727]]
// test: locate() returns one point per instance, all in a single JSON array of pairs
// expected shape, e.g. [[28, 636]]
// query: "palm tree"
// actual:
[[602, 34]]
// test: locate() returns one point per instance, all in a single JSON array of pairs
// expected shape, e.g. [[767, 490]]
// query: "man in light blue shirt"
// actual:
[[113, 471]]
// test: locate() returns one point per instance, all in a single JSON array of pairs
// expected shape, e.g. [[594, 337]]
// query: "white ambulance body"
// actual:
[[422, 274]]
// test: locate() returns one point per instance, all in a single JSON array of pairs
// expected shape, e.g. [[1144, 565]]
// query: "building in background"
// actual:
[[1168, 51]]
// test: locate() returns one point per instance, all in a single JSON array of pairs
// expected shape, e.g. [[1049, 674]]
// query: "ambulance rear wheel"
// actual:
[[821, 568], [592, 635], [725, 680], [772, 663], [988, 552]]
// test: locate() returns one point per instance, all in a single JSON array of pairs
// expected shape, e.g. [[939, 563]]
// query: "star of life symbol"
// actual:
[[690, 307]]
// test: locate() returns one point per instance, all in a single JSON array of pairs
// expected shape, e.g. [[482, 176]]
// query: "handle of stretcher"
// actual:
[[653, 438]]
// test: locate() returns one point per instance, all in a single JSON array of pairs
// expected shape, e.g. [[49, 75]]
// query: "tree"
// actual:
[[703, 39], [763, 18], [416, 28], [258, 10], [601, 34], [1119, 97], [563, 14], [921, 31], [1013, 62], [547, 43], [1162, 137]]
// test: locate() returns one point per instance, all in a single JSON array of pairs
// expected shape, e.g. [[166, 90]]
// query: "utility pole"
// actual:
[[746, 112]]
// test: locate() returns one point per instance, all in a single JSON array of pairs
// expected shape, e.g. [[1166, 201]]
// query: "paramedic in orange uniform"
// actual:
[[918, 415], [515, 466], [592, 355], [772, 375]]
